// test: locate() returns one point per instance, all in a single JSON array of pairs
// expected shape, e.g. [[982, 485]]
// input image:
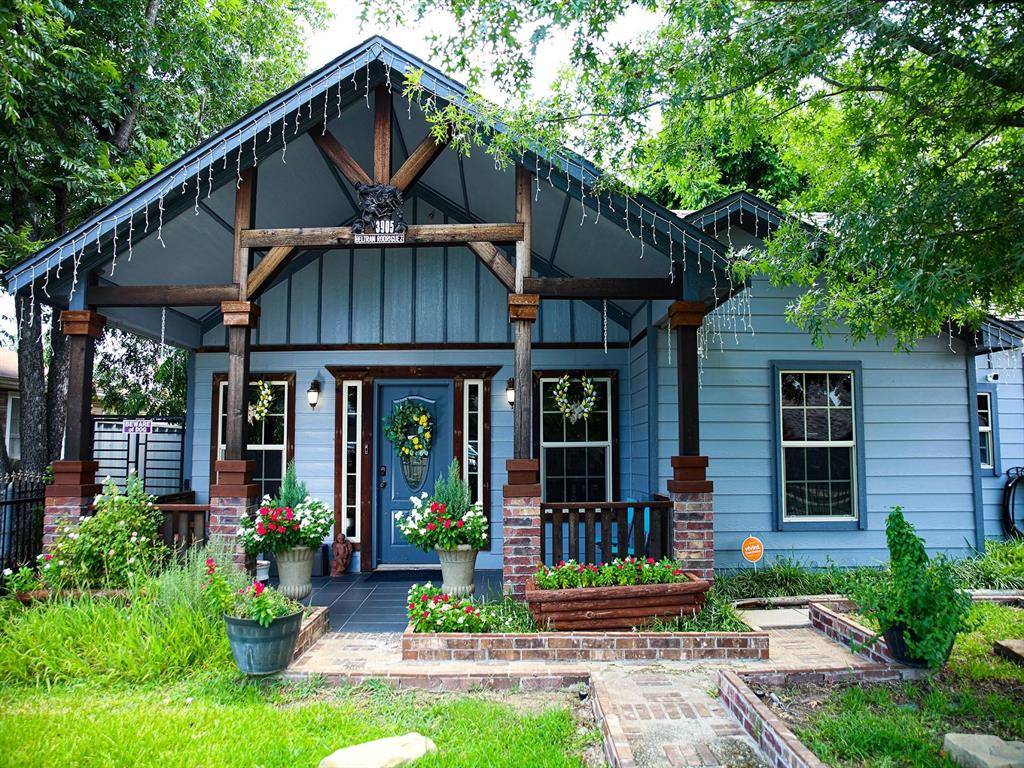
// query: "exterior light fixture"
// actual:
[[510, 392], [313, 393]]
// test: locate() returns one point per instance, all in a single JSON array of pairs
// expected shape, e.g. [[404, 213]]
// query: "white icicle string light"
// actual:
[[604, 317], [163, 331]]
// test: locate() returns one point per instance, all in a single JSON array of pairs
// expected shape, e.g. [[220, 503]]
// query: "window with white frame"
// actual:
[[986, 446], [473, 437], [267, 438], [14, 426], [818, 444], [576, 457], [351, 470]]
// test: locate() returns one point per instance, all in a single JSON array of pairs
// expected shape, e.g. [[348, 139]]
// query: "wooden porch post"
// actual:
[[685, 318], [522, 310]]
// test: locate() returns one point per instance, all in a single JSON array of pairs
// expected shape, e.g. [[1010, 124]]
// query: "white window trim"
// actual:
[[358, 386], [10, 413], [985, 433], [466, 384], [606, 444], [222, 446], [784, 444]]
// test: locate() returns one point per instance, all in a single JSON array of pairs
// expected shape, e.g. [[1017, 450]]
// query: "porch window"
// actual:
[[817, 425], [351, 473], [988, 429], [576, 462], [267, 438], [473, 437]]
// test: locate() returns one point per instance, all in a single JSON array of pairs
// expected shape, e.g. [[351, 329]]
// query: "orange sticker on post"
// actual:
[[752, 549]]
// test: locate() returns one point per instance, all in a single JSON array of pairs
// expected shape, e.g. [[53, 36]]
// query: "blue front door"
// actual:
[[393, 487]]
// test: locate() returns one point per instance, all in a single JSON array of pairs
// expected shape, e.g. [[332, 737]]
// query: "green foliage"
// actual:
[[717, 615], [164, 631], [22, 580], [292, 491], [902, 121], [113, 548], [453, 491], [446, 520], [211, 722], [919, 596], [1000, 567], [134, 376], [431, 610], [621, 572]]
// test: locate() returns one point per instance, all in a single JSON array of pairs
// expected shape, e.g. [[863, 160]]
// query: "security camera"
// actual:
[[992, 378]]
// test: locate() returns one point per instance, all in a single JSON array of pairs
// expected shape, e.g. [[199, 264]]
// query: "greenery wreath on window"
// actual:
[[578, 409], [258, 411], [409, 428]]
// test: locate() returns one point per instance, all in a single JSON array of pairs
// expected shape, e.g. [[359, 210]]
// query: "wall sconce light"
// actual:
[[510, 392], [313, 393]]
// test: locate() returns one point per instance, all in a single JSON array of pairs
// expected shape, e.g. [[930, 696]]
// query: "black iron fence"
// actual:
[[22, 498], [153, 448]]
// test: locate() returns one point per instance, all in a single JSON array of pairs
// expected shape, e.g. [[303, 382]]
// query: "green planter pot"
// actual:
[[260, 650], [457, 566], [295, 569]]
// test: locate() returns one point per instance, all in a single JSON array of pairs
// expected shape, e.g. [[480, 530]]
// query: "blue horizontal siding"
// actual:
[[1009, 405]]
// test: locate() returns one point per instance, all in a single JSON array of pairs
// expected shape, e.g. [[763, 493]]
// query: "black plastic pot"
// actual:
[[260, 650], [897, 644]]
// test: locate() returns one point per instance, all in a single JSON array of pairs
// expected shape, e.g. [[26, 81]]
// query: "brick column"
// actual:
[[233, 497], [521, 519], [69, 497], [693, 536]]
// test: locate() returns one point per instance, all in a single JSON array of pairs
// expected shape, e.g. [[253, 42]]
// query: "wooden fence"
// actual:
[[592, 532], [185, 524]]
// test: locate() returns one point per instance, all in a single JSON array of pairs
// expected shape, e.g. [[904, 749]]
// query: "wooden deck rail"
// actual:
[[184, 525], [609, 529]]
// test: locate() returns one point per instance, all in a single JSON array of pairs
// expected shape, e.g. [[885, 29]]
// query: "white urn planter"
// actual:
[[457, 567], [295, 569]]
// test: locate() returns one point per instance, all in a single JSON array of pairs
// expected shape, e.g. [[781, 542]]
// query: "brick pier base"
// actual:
[[232, 498], [69, 497], [693, 535], [522, 528]]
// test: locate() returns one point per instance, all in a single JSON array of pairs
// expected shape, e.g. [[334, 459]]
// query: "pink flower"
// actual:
[[431, 527], [424, 598], [447, 523], [650, 561], [48, 557], [459, 524], [257, 588], [288, 515]]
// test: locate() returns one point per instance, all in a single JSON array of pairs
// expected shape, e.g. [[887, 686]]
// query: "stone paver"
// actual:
[[776, 618]]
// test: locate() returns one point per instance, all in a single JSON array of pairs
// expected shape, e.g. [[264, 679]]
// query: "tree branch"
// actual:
[[123, 132]]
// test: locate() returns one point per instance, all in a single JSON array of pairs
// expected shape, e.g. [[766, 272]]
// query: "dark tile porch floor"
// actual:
[[375, 602]]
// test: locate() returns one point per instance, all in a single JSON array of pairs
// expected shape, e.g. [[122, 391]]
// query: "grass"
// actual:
[[220, 721], [892, 726]]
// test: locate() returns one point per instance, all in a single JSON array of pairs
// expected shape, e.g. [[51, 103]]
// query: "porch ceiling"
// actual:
[[298, 187]]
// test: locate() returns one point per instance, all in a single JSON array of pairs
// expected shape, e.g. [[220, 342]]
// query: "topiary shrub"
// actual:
[[918, 601]]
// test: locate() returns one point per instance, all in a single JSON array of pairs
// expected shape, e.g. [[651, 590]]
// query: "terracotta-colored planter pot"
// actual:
[[42, 595], [615, 607]]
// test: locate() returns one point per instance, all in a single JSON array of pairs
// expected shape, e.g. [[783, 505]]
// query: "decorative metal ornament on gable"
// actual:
[[381, 218], [410, 429], [574, 410]]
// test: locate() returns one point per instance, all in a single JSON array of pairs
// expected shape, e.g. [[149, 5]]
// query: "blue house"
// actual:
[[326, 258]]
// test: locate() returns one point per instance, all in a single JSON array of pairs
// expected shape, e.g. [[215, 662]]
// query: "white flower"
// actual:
[[8, 571], [423, 495]]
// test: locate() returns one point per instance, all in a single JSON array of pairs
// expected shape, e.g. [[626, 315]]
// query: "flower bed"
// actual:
[[622, 594]]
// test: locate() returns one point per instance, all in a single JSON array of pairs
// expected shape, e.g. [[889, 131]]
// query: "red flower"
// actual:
[[444, 598], [288, 515], [677, 572], [260, 528], [275, 515], [48, 557], [431, 527], [459, 524], [433, 506], [442, 508], [424, 598], [437, 599], [211, 566], [447, 523], [257, 588], [411, 606], [295, 527], [264, 511], [650, 561], [426, 614]]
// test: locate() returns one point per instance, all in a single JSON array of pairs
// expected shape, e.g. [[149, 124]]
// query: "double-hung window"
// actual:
[[817, 432], [267, 438], [576, 461], [988, 429]]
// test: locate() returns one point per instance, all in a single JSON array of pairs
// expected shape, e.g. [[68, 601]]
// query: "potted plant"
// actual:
[[262, 624], [452, 525], [623, 594], [918, 608], [293, 527]]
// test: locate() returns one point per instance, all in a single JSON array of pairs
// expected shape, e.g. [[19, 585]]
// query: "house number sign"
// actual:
[[380, 219]]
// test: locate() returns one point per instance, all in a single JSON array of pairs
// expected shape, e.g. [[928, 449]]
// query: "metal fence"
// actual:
[[152, 448], [22, 498]]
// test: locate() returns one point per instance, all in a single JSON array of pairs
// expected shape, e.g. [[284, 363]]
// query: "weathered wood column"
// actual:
[[689, 488], [70, 496]]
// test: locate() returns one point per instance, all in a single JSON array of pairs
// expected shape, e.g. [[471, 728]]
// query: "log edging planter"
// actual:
[[597, 608], [575, 646]]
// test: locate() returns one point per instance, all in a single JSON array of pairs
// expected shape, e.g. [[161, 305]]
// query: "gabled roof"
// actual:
[[350, 76]]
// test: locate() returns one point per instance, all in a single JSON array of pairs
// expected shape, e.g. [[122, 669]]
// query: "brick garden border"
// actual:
[[314, 626], [584, 646], [832, 620]]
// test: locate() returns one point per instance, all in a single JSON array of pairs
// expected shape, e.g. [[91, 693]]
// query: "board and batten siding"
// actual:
[[1009, 414], [917, 437]]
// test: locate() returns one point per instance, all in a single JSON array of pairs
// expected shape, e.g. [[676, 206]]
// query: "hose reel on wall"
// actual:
[[1013, 501]]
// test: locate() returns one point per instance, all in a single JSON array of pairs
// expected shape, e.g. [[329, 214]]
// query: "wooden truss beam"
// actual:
[[622, 288], [495, 261], [382, 135], [268, 268], [245, 217], [160, 295], [415, 234], [425, 153], [343, 161]]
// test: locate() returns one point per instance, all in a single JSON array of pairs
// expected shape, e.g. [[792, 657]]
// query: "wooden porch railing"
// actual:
[[608, 530], [184, 525]]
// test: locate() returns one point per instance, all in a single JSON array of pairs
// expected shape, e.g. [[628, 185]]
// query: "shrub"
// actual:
[[112, 548], [1001, 566], [447, 519], [431, 610], [920, 597], [618, 573]]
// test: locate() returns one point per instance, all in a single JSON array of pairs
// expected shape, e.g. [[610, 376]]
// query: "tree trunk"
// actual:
[[56, 389], [124, 130], [35, 455]]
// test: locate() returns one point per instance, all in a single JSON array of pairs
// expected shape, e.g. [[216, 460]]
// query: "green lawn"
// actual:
[[903, 725], [225, 721]]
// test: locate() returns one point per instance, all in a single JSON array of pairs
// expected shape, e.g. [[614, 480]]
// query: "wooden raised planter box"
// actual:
[[615, 607]]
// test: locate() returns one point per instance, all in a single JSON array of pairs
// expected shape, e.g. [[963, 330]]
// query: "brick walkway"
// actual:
[[655, 715]]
